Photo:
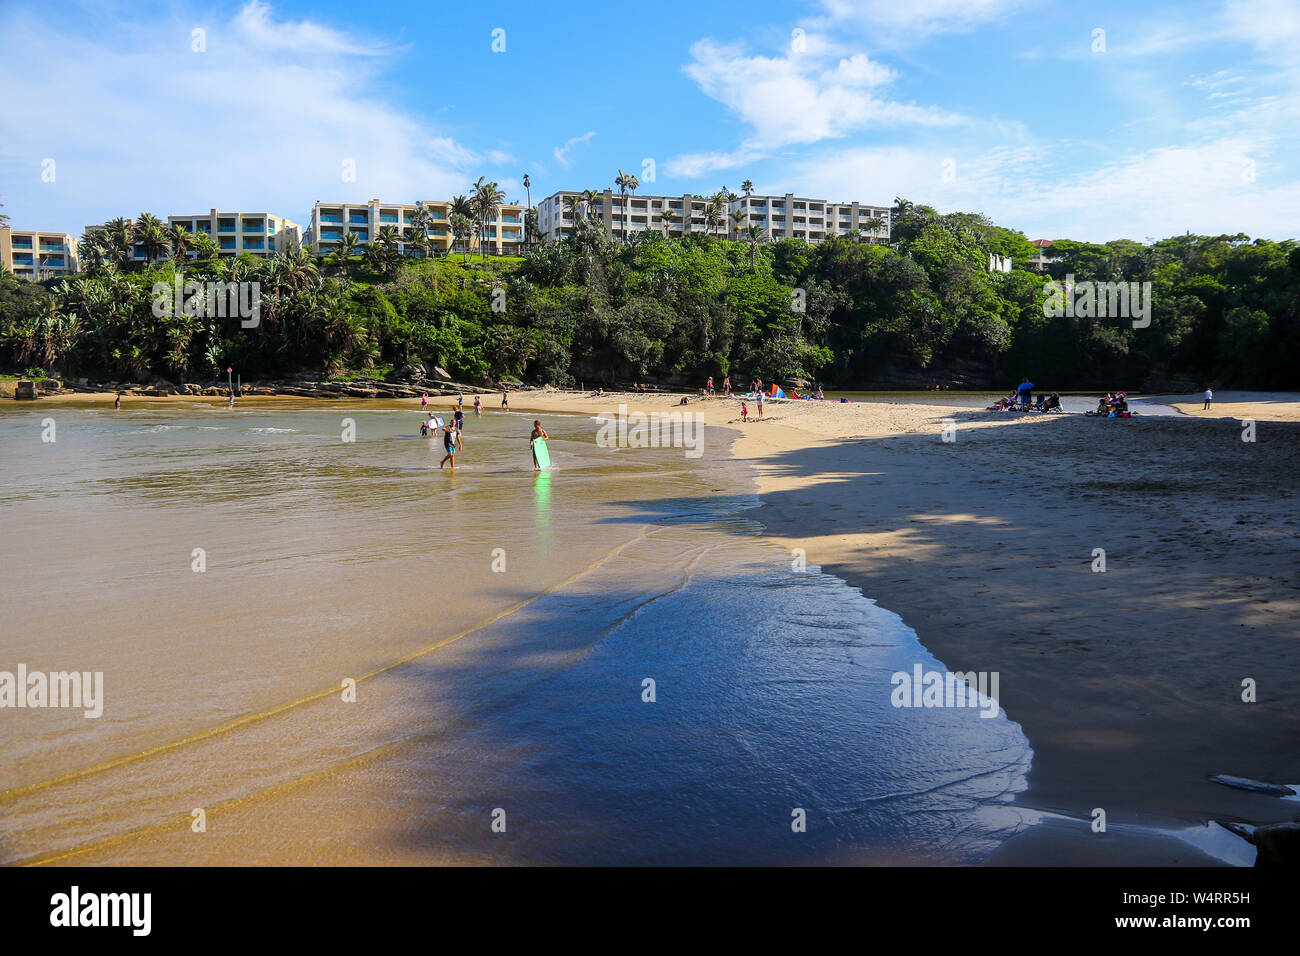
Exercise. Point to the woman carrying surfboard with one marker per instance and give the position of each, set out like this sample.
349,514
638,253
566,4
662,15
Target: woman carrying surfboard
541,455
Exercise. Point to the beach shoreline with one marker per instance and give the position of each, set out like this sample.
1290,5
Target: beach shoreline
1127,682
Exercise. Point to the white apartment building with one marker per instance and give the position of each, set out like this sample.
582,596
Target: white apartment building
555,218
788,216
812,220
255,233
34,255
329,221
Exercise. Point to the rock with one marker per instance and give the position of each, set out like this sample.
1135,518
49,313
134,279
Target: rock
49,385
25,391
1277,844
441,374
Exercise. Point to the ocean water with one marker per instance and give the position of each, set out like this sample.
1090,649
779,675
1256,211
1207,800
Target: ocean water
327,651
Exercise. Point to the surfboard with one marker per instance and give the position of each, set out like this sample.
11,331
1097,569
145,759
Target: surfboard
541,452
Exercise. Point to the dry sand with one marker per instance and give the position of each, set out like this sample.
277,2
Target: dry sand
1128,683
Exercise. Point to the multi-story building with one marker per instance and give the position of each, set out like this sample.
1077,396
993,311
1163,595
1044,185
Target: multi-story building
35,255
812,220
329,221
555,216
1041,258
788,216
256,233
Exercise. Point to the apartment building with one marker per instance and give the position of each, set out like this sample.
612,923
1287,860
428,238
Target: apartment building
812,220
329,221
788,216
255,233
35,255
1041,259
555,217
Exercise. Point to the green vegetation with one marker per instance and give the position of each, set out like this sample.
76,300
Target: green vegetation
590,308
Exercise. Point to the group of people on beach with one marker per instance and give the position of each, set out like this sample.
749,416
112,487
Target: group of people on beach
1022,400
1113,406
453,441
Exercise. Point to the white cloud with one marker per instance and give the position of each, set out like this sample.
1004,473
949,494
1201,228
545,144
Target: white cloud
562,152
893,22
1223,186
265,119
801,97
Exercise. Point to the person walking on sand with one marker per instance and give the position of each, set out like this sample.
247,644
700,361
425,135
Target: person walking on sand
505,401
451,443
538,432
478,407
1209,397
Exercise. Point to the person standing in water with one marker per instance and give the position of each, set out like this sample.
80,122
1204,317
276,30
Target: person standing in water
459,419
538,432
117,402
451,443
505,400
424,399
478,407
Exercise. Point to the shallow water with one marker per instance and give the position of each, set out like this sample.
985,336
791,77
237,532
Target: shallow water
515,695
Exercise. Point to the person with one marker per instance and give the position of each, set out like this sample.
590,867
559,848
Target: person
505,400
1025,392
538,432
1209,397
478,407
459,419
820,396
117,402
451,444
1053,403
460,400
232,399
708,386
744,412
760,403
726,386
424,400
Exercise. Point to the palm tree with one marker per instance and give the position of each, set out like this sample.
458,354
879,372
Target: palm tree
739,220
589,197
571,206
152,234
92,250
668,216
4,216
714,217
462,228
120,240
625,182
486,202
204,246
180,240
528,190
754,235
747,186
530,225
343,252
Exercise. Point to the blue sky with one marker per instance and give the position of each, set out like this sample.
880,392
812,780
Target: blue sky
1177,116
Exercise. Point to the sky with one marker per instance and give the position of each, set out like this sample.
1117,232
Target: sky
1062,119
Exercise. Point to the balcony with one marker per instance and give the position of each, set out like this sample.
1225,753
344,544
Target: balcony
228,244
22,244
390,219
254,227
332,219
23,260
254,244
225,228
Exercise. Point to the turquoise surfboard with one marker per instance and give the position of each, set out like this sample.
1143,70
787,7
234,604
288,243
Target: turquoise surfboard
541,452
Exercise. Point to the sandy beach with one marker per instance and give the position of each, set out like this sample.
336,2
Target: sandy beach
1128,682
